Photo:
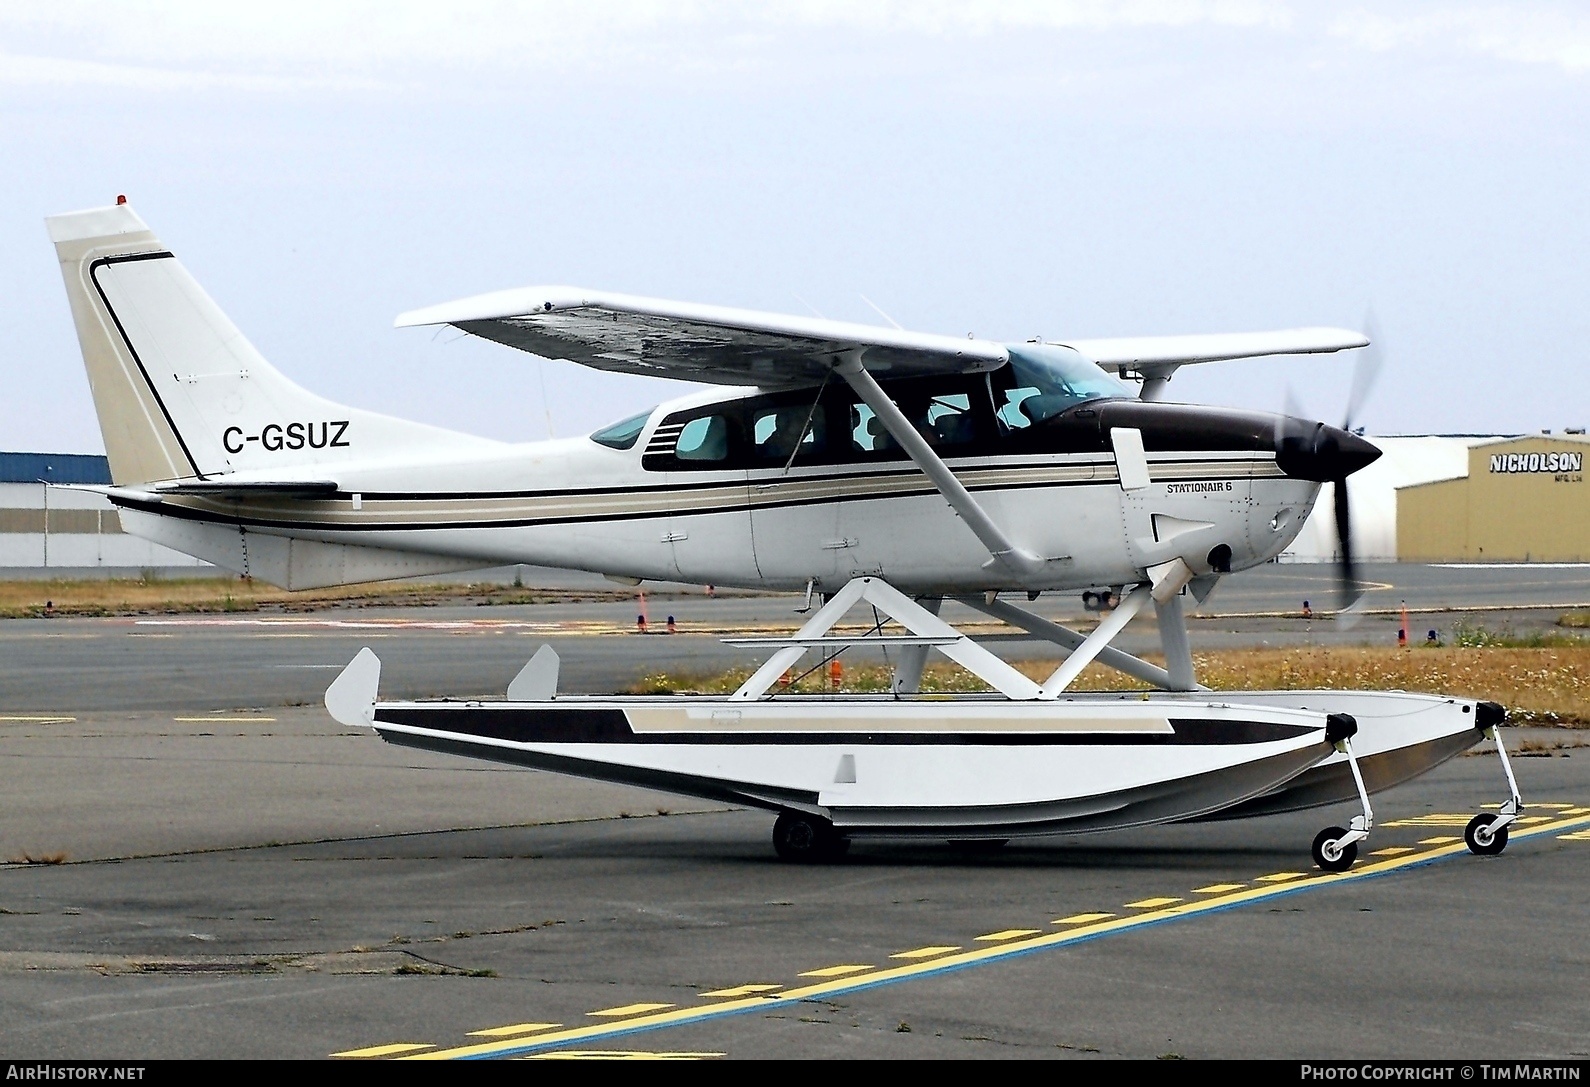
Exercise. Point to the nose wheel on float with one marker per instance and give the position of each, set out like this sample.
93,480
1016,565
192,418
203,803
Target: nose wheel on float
1335,848
1486,834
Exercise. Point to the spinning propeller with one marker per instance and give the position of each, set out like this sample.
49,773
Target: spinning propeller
1329,455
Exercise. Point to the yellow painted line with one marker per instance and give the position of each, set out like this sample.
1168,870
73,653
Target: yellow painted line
619,1055
389,1050
1439,841
1218,888
744,990
1006,934
1151,903
1392,851
509,1031
217,720
39,720
1537,804
630,1009
1577,811
926,952
1447,820
1576,836
972,957
836,971
1534,819
1082,918
1280,877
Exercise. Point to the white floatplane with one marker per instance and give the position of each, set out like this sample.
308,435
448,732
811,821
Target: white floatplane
860,464
1027,760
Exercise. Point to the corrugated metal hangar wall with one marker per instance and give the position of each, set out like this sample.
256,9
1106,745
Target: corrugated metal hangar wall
1523,500
56,531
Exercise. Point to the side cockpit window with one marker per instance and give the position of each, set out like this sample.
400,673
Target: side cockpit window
1044,380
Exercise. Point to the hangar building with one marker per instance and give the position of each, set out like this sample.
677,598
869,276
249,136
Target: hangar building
53,531
1520,500
1462,498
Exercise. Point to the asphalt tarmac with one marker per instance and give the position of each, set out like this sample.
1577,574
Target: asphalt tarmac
203,869
246,660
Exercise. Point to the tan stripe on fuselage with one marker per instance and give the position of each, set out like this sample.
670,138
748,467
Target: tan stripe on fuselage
718,495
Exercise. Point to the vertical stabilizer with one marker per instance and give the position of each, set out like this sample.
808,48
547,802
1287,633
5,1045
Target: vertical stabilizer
179,391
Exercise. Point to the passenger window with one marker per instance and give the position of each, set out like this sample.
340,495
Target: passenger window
706,439
778,433
867,433
949,421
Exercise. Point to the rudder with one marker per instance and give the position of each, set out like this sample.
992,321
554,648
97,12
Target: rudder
179,391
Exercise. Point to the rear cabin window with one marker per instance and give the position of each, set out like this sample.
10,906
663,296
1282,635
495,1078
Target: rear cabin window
704,439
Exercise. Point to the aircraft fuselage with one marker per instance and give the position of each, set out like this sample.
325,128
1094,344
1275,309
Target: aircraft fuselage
714,489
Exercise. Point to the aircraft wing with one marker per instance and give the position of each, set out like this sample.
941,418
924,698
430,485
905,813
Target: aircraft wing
1155,355
693,342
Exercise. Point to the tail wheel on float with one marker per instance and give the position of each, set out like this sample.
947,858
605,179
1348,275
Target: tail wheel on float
1331,857
807,839
1483,841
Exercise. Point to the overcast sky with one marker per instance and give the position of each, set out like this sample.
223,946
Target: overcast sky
1019,169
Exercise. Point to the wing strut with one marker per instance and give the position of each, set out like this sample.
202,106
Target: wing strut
1019,561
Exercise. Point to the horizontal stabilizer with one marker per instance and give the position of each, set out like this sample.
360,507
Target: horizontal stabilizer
221,488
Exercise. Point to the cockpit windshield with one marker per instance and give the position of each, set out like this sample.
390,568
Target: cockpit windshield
1045,379
624,433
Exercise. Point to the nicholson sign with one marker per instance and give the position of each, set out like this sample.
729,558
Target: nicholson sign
1548,463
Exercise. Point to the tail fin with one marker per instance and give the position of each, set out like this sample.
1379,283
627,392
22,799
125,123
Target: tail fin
179,392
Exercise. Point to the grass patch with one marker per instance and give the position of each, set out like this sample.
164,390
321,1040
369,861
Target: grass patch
1478,637
1543,685
1577,620
155,596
